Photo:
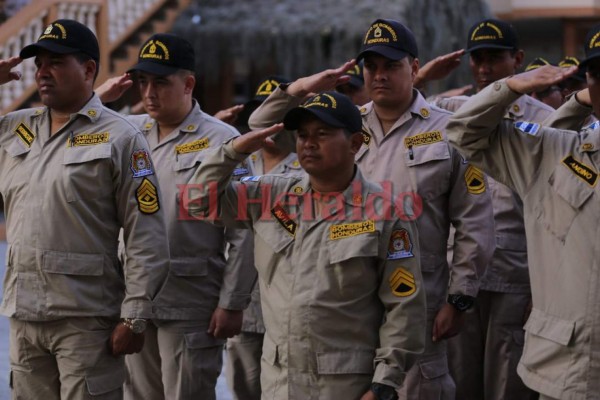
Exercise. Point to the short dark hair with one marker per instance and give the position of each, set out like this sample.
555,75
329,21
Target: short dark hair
82,58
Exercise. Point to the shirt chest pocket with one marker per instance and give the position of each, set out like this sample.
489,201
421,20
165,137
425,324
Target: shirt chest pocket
88,172
432,168
563,198
272,244
188,162
352,265
15,173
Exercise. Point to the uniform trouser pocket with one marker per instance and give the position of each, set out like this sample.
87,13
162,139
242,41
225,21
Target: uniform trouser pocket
429,379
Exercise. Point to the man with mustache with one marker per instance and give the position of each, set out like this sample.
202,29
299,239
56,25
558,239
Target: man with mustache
338,293
73,174
405,144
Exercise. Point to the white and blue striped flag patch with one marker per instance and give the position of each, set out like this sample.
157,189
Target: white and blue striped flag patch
529,128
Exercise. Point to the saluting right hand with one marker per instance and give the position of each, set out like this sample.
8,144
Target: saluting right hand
6,75
114,88
539,79
252,141
322,81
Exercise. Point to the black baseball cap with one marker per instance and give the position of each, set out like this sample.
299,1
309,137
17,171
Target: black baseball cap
570,61
332,108
65,36
592,46
492,34
537,63
164,54
356,75
390,39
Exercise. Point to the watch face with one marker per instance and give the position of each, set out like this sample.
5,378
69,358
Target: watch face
138,325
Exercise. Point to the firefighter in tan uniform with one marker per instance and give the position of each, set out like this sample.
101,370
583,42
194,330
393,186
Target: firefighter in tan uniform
74,173
340,283
555,172
405,148
202,300
244,351
483,357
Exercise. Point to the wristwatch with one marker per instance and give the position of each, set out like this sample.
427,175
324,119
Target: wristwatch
461,302
384,392
137,325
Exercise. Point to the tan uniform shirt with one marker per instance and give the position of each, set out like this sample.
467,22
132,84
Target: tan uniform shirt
415,158
340,296
200,278
66,198
555,173
253,319
507,271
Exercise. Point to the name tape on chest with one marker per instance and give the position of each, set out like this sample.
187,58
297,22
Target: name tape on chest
147,197
88,139
342,231
475,180
284,220
402,282
423,139
400,245
192,147
25,134
582,171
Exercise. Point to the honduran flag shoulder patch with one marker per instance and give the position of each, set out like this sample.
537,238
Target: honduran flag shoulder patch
529,128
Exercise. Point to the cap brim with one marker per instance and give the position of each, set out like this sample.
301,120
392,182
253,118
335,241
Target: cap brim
153,68
488,46
583,65
356,81
295,116
386,51
33,49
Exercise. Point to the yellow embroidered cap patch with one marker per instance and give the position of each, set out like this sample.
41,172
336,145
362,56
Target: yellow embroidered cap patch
402,282
147,197
474,180
342,231
25,134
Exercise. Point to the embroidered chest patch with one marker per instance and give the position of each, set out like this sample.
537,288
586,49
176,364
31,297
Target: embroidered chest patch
89,139
423,139
284,219
342,231
25,134
192,147
585,173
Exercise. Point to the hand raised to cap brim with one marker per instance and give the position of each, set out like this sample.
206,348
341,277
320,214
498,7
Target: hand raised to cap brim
6,73
113,88
252,141
322,81
438,68
539,79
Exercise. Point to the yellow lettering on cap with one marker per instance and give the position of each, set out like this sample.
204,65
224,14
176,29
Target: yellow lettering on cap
316,102
376,30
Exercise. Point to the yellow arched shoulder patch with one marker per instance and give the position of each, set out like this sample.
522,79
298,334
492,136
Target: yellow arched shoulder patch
402,282
474,180
147,197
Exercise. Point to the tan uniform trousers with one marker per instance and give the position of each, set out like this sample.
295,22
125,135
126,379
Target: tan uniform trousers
243,365
179,362
484,356
64,359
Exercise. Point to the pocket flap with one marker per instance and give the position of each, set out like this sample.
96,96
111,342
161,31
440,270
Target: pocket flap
434,368
81,154
187,161
106,382
189,266
201,340
56,262
426,153
363,245
570,187
346,362
550,327
15,148
270,351
511,242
